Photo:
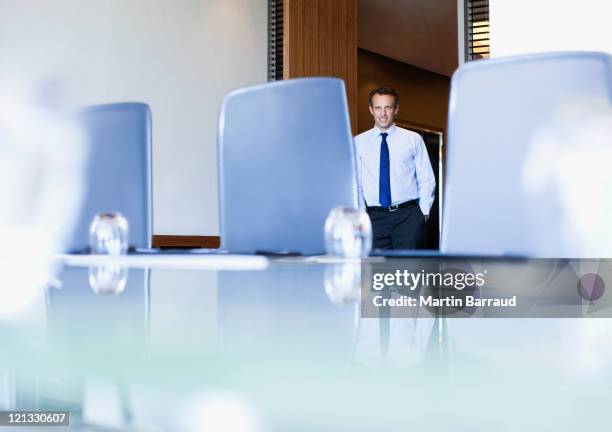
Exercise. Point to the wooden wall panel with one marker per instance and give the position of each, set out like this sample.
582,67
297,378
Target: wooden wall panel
320,39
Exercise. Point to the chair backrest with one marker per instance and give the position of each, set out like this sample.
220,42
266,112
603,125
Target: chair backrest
286,158
498,108
118,174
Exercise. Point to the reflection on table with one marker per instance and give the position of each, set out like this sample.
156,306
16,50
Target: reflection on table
286,346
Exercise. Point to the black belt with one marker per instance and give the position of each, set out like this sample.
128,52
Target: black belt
393,207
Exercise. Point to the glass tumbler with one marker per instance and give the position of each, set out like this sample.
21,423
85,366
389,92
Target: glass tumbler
108,234
348,233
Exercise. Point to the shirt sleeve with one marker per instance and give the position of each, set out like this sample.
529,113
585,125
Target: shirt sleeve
426,182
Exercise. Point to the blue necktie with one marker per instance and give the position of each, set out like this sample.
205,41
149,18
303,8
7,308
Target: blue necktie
384,180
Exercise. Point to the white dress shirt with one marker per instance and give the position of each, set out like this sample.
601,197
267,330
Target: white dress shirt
411,173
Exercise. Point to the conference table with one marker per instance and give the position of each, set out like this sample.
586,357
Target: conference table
253,343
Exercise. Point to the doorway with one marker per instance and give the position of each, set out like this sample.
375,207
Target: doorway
434,142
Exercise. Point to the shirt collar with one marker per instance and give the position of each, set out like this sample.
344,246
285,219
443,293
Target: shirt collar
389,131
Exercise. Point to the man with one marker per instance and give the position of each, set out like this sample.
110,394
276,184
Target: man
396,181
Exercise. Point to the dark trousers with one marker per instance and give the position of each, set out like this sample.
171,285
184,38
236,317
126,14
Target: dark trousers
400,229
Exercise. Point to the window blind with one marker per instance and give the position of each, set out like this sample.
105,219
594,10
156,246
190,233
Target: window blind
477,29
275,40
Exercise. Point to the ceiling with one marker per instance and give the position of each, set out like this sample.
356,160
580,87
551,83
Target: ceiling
422,33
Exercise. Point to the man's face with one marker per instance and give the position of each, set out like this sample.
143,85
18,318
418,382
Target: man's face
383,110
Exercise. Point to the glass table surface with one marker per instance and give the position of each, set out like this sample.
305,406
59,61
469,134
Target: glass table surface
283,346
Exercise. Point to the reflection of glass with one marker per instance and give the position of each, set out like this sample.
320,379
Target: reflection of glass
108,278
108,234
348,233
343,282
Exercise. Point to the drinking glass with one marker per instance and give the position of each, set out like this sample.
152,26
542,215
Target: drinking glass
108,234
348,233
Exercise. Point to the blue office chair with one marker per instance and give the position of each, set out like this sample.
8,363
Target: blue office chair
286,158
497,109
118,174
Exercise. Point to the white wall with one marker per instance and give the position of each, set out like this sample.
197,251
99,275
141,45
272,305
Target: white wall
179,56
527,26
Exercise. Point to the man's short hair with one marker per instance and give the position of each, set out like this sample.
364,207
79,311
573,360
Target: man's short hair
384,91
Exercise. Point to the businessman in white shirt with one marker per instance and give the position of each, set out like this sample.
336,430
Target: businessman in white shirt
396,181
